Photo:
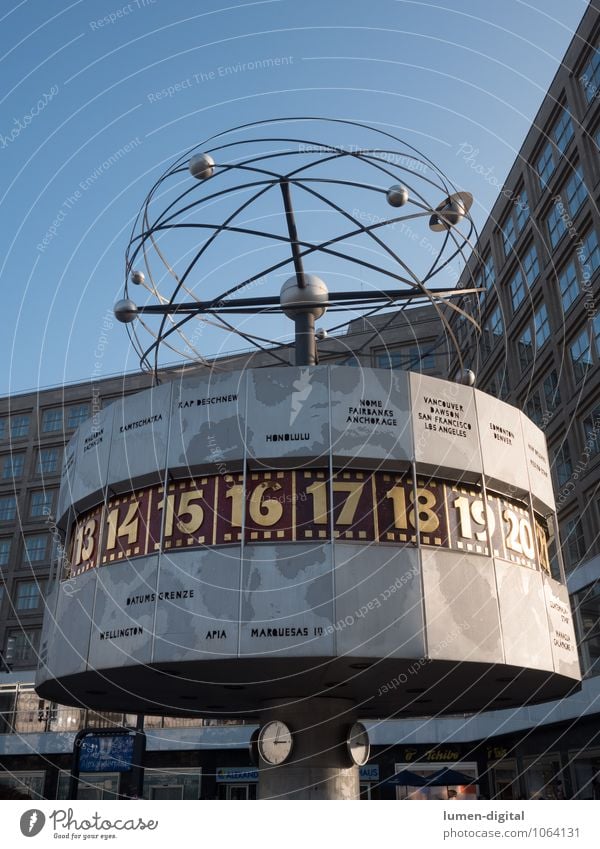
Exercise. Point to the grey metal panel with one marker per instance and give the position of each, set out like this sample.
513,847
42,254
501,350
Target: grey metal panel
378,602
445,432
68,479
504,462
93,450
47,647
562,633
288,417
73,624
370,415
122,631
138,451
538,467
208,424
523,616
461,607
287,587
203,623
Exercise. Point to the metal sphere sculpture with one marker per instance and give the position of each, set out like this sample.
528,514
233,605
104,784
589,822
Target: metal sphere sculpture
235,222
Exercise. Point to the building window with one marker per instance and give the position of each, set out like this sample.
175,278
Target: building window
411,359
489,274
517,290
589,255
8,508
569,286
77,414
530,265
581,356
19,426
41,503
591,430
596,332
555,224
573,543
2,428
563,130
508,234
551,391
542,326
12,466
521,210
47,463
35,547
563,466
22,646
499,385
587,608
545,166
52,420
525,346
575,191
533,408
590,78
4,551
29,595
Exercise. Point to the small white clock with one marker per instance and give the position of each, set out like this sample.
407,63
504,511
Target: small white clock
358,745
275,742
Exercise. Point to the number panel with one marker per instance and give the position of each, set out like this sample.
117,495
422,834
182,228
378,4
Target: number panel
230,509
270,506
188,513
469,524
85,542
353,506
126,526
396,516
296,505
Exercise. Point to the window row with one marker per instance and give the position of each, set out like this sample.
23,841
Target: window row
27,596
41,503
410,358
48,462
37,548
54,419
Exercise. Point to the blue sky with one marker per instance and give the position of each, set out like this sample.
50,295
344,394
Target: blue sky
83,80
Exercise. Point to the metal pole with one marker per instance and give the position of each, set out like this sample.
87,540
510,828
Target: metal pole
305,343
139,750
291,225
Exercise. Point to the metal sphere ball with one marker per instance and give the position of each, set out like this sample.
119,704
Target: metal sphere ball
467,377
321,334
397,195
137,277
295,300
202,166
125,311
454,213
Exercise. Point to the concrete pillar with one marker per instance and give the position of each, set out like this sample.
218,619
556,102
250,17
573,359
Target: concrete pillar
319,765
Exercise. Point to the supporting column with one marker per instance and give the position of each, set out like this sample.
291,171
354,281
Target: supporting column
319,765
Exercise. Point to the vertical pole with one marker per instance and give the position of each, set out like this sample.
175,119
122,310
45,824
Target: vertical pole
139,750
305,342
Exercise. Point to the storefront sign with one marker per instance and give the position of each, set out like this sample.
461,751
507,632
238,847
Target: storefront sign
106,752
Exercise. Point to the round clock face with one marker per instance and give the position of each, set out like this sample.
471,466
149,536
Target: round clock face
358,744
275,742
